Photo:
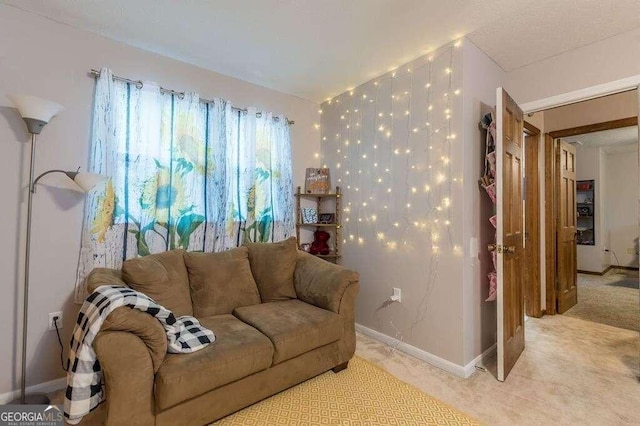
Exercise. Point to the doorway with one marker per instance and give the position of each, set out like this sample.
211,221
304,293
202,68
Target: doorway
606,212
589,142
532,252
559,223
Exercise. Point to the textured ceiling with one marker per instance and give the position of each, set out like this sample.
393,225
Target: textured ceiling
546,28
317,49
611,141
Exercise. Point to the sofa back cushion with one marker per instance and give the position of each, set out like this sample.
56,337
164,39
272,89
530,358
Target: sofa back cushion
220,282
163,277
272,265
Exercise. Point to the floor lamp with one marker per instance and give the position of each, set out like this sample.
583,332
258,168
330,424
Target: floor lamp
36,113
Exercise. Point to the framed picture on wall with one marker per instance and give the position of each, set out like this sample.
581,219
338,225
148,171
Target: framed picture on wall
317,181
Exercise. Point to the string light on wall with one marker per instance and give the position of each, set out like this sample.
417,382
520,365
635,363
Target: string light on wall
399,173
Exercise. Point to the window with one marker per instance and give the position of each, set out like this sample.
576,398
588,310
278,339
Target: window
182,174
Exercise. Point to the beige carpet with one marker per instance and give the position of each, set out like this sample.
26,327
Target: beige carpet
363,394
611,299
572,372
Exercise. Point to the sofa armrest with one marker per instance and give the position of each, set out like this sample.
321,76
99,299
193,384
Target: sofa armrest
103,276
125,319
322,283
128,377
142,325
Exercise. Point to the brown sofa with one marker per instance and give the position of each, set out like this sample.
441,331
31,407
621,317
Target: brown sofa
280,316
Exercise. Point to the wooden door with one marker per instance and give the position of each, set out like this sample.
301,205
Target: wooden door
550,223
532,305
510,299
566,284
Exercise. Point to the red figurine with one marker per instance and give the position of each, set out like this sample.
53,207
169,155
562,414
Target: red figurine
319,245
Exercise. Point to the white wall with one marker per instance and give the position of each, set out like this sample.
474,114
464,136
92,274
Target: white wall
620,180
589,167
481,77
366,149
51,60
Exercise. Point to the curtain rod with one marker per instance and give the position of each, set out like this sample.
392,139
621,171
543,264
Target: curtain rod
139,84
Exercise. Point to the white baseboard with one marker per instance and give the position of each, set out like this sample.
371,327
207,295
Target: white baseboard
428,357
423,355
45,387
470,368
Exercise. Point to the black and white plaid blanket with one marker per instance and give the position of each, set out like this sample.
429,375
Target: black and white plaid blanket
84,378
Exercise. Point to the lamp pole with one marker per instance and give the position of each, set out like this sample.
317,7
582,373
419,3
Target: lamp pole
27,252
33,398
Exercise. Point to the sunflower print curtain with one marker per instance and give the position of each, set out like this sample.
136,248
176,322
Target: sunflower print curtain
181,174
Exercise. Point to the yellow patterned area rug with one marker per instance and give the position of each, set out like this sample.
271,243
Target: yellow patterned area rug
363,394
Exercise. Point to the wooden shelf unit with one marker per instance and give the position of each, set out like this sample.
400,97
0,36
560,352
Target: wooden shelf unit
585,214
322,201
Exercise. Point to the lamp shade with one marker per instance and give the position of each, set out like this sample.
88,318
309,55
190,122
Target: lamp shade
35,107
87,181
35,111
73,181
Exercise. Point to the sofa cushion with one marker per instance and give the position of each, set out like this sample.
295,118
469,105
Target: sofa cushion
294,327
220,282
272,265
163,277
238,351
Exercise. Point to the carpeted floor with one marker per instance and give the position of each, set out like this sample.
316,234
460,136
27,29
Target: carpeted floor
572,372
612,299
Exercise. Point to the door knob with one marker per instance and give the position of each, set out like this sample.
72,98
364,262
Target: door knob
492,247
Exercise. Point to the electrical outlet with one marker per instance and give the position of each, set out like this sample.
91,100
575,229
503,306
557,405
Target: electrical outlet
397,295
631,251
53,315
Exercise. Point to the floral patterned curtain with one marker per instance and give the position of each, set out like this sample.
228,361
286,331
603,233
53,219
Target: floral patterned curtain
260,200
182,174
